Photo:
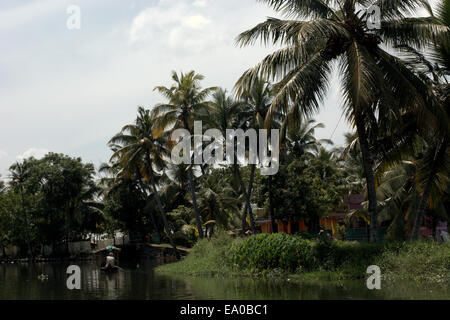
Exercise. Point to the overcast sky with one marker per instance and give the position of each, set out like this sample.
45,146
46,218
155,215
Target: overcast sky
69,91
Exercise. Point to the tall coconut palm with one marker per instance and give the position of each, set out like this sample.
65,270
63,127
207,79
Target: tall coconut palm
217,203
401,192
298,139
376,84
431,163
436,166
352,165
186,99
257,99
227,113
114,179
144,153
442,43
224,113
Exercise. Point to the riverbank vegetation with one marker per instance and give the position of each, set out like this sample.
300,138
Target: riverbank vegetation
295,258
395,93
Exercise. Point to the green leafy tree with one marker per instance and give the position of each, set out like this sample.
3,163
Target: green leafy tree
57,199
19,174
306,189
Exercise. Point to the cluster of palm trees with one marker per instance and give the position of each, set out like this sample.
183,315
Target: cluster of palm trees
389,98
142,149
394,89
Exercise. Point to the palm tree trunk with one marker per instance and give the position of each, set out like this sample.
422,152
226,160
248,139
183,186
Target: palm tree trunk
192,187
249,196
427,191
247,202
271,208
163,214
370,176
161,209
194,202
421,210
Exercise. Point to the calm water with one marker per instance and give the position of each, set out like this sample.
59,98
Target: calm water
140,282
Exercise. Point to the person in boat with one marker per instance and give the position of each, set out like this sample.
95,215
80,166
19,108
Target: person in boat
110,261
112,249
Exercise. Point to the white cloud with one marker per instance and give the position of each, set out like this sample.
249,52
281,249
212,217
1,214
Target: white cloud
176,24
63,81
3,154
27,13
37,153
196,22
199,3
152,21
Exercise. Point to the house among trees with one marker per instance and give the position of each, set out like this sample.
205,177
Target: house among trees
332,221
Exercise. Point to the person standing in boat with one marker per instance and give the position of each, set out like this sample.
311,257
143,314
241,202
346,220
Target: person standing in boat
112,249
110,261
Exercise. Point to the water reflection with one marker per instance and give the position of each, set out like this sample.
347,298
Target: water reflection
20,281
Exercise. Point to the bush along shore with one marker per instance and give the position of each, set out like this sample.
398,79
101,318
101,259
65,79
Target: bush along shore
286,256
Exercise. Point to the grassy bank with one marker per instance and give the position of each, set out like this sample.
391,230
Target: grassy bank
281,255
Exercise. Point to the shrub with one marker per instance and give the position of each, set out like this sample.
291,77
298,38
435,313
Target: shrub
271,251
206,258
279,254
290,253
420,261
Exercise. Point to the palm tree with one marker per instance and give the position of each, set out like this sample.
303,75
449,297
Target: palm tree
114,178
328,162
431,163
227,113
217,202
442,43
257,99
186,99
145,154
376,85
402,186
352,165
437,166
223,113
298,138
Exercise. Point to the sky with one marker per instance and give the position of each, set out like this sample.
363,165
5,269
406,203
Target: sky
70,90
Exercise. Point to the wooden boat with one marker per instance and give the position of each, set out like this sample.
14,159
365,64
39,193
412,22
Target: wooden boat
101,259
110,269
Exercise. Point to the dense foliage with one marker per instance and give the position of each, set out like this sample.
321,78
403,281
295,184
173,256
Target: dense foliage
49,201
395,93
298,258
